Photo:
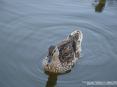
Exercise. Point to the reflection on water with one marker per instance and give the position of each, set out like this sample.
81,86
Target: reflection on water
52,80
100,5
29,27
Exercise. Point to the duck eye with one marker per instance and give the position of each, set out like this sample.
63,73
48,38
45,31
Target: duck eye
53,51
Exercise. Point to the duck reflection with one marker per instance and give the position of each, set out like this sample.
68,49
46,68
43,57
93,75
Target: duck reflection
99,6
52,80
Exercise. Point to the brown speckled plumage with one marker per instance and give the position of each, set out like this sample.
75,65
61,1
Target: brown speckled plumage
64,55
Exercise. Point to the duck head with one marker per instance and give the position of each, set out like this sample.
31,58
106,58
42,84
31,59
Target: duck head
53,53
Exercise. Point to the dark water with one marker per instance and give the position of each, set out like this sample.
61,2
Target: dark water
29,27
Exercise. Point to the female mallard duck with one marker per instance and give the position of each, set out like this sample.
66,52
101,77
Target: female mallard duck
62,57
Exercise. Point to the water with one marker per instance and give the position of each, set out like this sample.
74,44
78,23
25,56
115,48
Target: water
29,27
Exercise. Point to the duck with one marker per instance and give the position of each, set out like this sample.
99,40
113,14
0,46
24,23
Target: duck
62,57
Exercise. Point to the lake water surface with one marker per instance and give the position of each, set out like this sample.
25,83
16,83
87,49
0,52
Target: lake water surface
29,27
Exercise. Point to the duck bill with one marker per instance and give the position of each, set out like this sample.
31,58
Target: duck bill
49,59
